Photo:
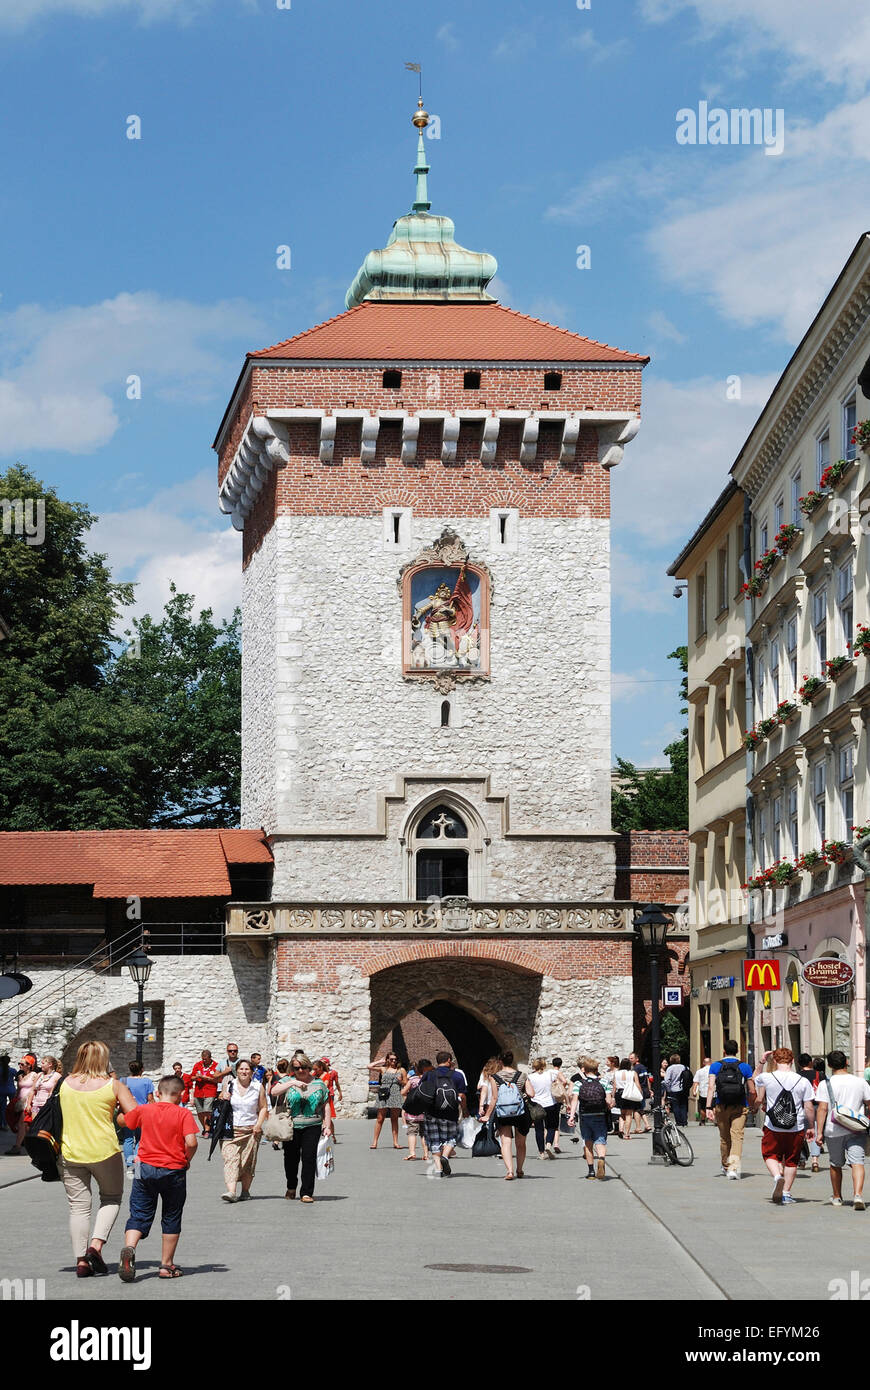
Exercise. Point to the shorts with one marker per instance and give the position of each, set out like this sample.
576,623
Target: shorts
204,1104
784,1144
169,1185
412,1126
519,1124
846,1147
438,1132
593,1128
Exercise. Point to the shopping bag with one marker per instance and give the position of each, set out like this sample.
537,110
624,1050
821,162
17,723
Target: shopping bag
325,1157
486,1145
467,1133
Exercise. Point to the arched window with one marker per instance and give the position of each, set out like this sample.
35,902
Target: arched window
445,853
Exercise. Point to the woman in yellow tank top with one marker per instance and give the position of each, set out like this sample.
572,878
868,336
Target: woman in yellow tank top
90,1149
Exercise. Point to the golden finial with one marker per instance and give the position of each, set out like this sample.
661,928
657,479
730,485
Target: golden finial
420,117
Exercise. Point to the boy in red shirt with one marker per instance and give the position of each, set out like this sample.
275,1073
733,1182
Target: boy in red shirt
167,1145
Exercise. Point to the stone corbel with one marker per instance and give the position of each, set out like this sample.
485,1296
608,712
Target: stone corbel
529,446
369,439
489,443
327,438
275,437
570,435
410,435
449,436
612,440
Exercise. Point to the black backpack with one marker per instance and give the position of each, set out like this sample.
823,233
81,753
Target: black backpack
592,1097
438,1094
686,1082
783,1113
730,1083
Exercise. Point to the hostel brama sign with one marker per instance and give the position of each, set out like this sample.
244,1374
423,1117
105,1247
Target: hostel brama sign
828,973
761,974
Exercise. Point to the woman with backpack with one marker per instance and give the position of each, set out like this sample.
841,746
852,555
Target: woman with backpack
628,1096
590,1098
509,1091
544,1108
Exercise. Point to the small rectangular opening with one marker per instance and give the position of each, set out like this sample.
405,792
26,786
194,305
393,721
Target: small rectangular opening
552,381
502,528
392,380
397,517
471,381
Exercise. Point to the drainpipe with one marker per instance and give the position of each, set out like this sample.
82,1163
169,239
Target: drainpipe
746,566
861,856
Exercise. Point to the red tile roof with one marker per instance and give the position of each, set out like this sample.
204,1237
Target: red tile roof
125,863
442,332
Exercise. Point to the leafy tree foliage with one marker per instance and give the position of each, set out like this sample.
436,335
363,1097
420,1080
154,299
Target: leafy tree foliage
656,800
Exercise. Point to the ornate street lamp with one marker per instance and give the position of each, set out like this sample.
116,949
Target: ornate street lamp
139,966
651,924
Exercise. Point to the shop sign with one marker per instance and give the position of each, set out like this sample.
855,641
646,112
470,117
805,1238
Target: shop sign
761,974
776,942
828,972
721,982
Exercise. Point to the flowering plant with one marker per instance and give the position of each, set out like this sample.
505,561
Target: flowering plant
859,831
836,851
835,472
756,586
786,536
812,500
786,711
837,664
810,687
775,876
861,435
861,643
810,859
767,726
751,739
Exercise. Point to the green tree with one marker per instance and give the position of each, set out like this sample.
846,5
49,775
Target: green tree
90,739
656,800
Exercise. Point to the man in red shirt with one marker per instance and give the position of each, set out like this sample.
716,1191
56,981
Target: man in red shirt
204,1078
167,1145
179,1071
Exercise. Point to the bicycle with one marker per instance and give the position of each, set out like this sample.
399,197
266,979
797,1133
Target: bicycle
675,1143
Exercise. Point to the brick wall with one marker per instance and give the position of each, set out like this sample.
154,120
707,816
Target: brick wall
652,865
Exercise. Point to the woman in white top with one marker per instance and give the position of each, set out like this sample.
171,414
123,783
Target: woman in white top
250,1109
544,1106
625,1079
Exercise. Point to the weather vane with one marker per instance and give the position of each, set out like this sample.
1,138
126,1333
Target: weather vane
415,67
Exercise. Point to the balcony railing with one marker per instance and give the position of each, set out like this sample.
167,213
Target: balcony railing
450,915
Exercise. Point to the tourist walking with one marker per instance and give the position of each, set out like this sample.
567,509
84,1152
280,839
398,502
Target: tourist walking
590,1099
231,1061
142,1089
644,1081
700,1086
543,1107
444,1103
90,1150
8,1087
810,1067
414,1121
307,1099
28,1079
790,1113
178,1070
250,1110
391,1079
330,1076
843,1101
166,1146
47,1079
608,1073
204,1077
730,1091
562,1090
678,1084
627,1095
509,1093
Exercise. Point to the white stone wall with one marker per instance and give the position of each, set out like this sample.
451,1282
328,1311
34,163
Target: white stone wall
334,1025
346,724
594,1017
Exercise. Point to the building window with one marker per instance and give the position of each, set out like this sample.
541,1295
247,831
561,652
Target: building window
700,738
844,600
850,418
445,714
796,513
777,827
552,381
791,647
793,826
760,674
820,626
701,599
762,538
847,791
774,672
392,380
761,838
778,514
722,579
819,798
471,381
823,454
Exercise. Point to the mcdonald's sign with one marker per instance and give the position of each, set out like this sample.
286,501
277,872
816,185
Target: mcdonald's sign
761,974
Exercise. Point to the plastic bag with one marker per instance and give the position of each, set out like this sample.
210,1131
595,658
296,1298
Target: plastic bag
325,1157
468,1132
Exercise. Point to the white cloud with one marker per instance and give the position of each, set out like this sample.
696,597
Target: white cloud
596,51
639,581
628,685
830,38
659,323
446,36
18,14
678,464
617,186
178,535
63,373
516,43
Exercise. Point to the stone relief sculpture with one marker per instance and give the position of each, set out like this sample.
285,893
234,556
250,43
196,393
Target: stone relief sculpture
445,623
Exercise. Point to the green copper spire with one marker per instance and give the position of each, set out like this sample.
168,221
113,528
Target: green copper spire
422,260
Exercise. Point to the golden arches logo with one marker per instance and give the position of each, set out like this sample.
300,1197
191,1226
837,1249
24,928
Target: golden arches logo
761,974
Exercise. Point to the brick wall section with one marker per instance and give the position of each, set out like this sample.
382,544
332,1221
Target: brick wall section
639,853
588,958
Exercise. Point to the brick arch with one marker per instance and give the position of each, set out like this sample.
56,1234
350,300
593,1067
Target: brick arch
506,953
418,1000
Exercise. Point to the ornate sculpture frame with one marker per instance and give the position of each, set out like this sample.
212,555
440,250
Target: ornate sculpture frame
448,550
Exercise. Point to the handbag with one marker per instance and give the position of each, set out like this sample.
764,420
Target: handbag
536,1111
557,1091
278,1128
384,1092
631,1091
849,1119
486,1145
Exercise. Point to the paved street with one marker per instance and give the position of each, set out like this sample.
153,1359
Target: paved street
379,1224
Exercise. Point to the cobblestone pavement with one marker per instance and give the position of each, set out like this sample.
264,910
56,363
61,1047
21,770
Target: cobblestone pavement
380,1224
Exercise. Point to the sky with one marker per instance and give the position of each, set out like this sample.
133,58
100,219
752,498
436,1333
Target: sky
268,123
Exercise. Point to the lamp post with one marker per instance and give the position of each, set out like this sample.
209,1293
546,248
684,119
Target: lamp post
139,966
651,924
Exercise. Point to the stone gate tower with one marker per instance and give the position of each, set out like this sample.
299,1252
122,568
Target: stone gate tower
422,484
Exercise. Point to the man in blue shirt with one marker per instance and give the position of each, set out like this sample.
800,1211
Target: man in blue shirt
729,1090
143,1091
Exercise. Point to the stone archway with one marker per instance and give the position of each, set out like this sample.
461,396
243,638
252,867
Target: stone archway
110,1028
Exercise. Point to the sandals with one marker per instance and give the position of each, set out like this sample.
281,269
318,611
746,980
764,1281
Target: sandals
127,1267
508,1177
169,1272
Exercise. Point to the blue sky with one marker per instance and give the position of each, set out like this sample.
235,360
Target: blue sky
263,126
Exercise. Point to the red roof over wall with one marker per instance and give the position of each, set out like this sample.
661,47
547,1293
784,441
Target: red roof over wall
126,863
